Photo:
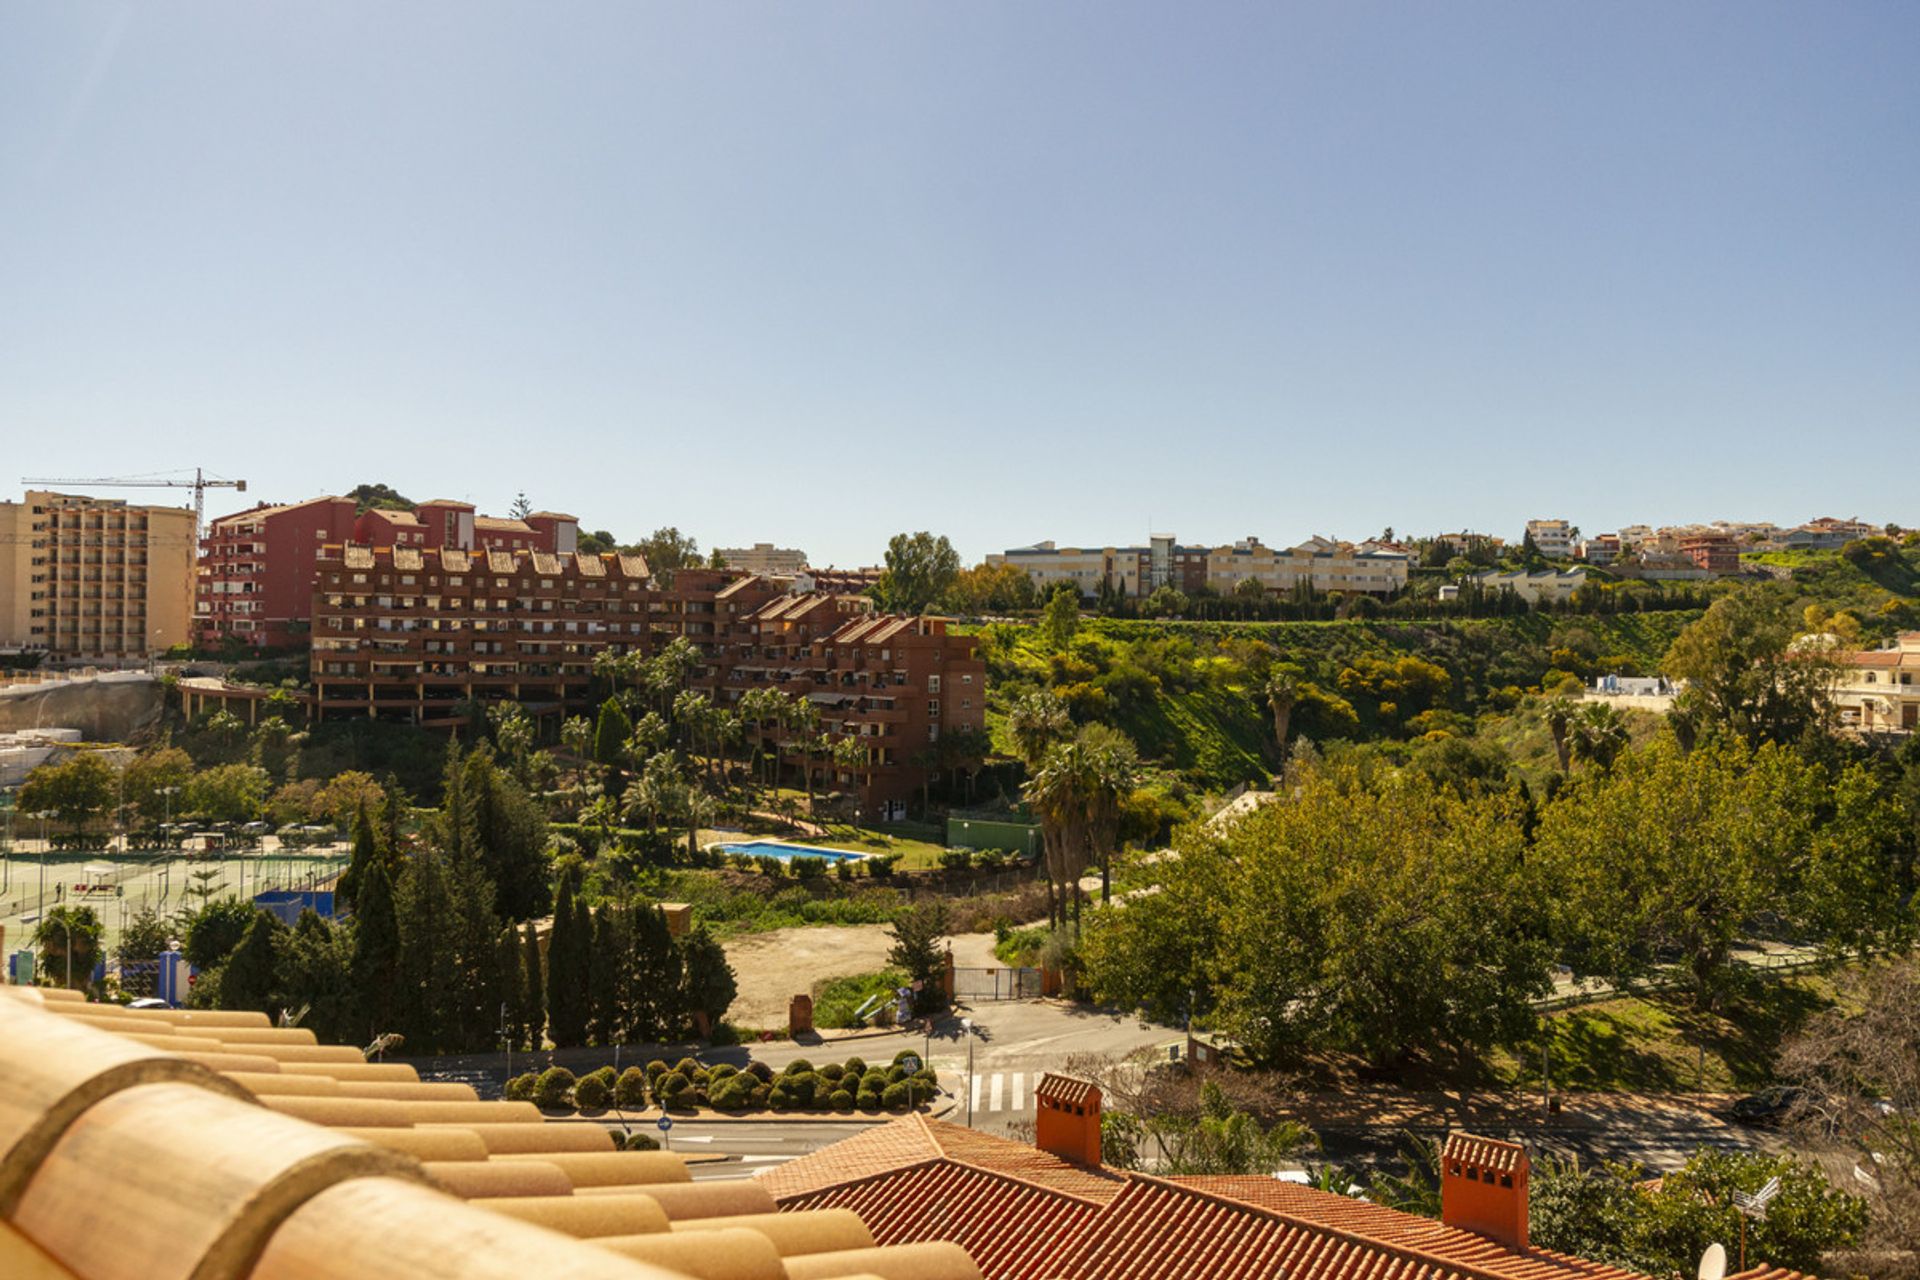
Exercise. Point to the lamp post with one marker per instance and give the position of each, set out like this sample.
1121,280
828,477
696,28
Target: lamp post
966,1025
166,833
45,816
506,1038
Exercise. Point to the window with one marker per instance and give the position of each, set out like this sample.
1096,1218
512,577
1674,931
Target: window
933,684
933,708
966,677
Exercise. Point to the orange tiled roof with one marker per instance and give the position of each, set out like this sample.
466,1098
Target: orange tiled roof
915,1140
1065,1090
1484,1153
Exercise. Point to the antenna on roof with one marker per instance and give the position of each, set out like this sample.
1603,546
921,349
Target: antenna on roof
1713,1263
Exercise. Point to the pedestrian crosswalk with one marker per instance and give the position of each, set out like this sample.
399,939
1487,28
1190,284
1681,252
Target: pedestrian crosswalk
995,1091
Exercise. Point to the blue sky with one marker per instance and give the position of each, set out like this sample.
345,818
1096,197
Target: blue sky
815,273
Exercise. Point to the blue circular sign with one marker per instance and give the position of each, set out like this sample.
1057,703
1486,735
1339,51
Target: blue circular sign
664,1123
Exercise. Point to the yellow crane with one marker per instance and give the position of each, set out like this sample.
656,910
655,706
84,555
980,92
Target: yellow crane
199,484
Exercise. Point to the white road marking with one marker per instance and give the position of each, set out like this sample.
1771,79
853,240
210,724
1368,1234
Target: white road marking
994,1092
973,1093
1019,1091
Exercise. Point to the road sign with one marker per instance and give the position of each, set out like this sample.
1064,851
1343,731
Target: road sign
664,1123
911,1063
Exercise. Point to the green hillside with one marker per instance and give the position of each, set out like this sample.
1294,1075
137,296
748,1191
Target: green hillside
1190,693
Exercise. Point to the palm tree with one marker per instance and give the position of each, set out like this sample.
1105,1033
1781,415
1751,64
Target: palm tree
698,809
576,735
1111,772
850,754
1557,720
1283,690
1035,722
1598,734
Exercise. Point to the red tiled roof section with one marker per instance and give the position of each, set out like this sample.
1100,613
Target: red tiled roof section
1484,1153
1467,1249
1065,1090
1014,1229
1769,1273
897,1145
1018,1160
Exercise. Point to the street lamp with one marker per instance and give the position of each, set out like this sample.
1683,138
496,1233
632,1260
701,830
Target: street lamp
966,1025
45,816
166,833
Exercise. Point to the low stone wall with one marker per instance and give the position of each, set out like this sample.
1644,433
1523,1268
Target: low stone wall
111,708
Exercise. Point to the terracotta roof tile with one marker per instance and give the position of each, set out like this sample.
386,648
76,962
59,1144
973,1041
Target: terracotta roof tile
1484,1153
1065,1090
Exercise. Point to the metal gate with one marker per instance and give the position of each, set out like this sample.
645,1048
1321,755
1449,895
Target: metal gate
971,985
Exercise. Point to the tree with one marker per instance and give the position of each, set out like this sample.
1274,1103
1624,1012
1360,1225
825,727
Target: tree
1612,1215
568,1007
68,938
214,929
576,735
920,569
521,508
1282,690
228,792
667,551
510,834
366,852
1035,722
73,792
916,951
1745,675
429,977
375,964
1597,735
513,987
147,777
709,985
610,734
1378,916
1206,1134
248,979
313,970
654,975
142,941
531,1013
1076,793
1559,722
1060,618
1860,1064
607,977
1669,857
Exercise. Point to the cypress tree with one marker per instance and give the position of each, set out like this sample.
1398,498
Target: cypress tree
532,1013
366,850
512,982
430,975
248,979
376,952
606,977
654,975
709,986
393,813
610,734
566,972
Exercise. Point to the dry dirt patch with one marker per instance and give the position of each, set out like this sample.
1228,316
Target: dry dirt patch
773,967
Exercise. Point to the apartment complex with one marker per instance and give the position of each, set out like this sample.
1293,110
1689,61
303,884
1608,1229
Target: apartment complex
764,557
1879,689
256,577
1714,552
406,634
1322,563
1553,538
94,579
1548,585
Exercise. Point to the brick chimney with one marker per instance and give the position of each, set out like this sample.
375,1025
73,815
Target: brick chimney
1066,1120
1483,1187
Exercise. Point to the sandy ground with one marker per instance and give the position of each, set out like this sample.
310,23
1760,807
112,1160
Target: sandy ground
773,967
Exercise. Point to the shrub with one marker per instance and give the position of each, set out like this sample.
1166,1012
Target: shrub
867,1100
894,1097
900,1058
552,1088
781,1097
762,1096
841,1100
640,1142
856,1067
720,1072
797,1067
724,1033
735,1093
520,1088
832,1071
875,1080
896,1073
760,1071
844,868
630,1090
656,1068
592,1093
956,859
671,1090
808,868
687,1067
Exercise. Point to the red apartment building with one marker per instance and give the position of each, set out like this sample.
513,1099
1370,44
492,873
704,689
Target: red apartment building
256,575
1714,552
408,634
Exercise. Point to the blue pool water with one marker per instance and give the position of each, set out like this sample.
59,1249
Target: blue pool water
783,851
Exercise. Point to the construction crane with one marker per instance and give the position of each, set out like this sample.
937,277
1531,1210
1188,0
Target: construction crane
199,484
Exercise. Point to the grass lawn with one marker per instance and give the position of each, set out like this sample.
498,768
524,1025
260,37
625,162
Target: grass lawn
1656,1045
916,854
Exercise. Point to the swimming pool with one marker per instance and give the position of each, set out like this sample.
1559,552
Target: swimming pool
784,851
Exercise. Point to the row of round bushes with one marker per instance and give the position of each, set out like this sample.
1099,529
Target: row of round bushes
686,1085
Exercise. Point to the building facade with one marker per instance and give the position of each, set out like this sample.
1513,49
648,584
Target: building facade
1547,585
413,635
1135,572
255,584
94,579
1879,689
1714,552
1553,538
764,557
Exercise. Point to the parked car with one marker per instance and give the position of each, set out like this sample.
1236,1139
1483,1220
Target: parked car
1769,1106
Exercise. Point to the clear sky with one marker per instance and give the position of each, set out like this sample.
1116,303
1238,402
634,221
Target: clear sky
815,273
